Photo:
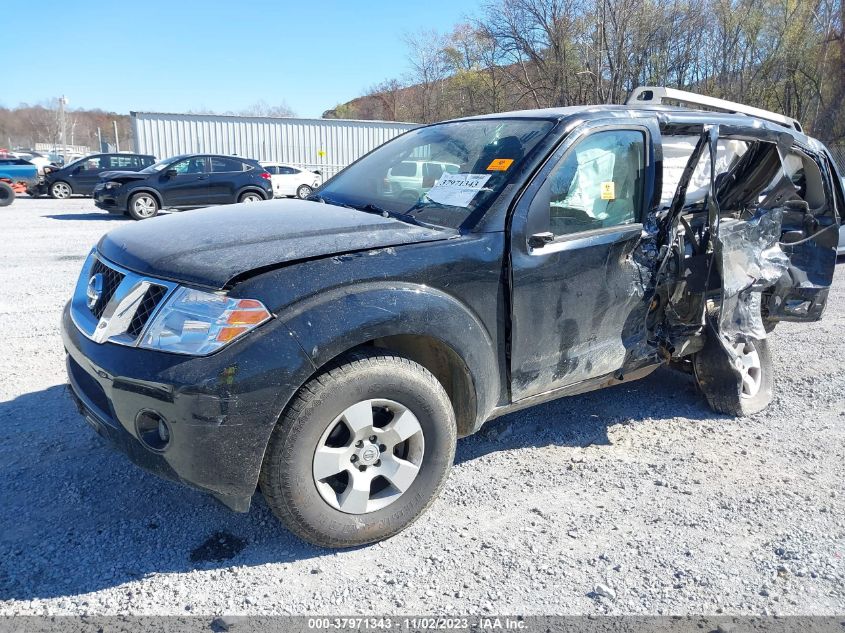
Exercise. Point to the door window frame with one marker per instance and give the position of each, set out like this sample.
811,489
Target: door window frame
535,216
207,162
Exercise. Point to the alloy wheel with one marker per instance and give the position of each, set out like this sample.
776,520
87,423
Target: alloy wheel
61,190
144,206
750,368
368,456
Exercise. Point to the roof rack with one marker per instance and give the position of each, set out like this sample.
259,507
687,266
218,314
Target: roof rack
657,95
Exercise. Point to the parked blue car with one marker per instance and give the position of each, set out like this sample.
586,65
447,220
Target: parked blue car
15,170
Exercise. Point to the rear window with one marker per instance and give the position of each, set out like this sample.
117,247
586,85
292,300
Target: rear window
404,170
125,162
227,165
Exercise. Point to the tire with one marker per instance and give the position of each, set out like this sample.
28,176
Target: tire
61,190
250,197
728,389
303,191
7,194
143,206
323,509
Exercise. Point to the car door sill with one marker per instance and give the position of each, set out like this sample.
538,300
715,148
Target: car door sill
591,384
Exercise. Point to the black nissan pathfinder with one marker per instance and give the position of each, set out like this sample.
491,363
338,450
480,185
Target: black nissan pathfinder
330,351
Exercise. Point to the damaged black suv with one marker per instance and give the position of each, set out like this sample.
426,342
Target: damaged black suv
330,351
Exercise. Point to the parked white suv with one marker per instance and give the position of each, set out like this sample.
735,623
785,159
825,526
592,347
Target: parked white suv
411,178
292,181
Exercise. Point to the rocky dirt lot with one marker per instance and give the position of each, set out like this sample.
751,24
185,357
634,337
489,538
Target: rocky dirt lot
632,500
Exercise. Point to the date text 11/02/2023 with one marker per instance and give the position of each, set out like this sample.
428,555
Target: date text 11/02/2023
490,623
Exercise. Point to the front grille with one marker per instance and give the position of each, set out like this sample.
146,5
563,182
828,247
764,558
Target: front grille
111,280
151,299
131,299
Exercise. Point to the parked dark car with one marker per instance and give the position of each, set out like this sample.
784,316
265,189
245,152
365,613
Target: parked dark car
81,176
329,351
188,181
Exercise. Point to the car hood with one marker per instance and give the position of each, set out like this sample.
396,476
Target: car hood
124,175
211,247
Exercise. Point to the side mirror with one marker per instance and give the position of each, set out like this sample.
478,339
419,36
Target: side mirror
171,173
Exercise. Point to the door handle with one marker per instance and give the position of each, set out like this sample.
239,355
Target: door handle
539,240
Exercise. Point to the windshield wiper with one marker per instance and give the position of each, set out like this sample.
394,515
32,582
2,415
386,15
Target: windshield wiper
370,208
314,197
386,213
427,203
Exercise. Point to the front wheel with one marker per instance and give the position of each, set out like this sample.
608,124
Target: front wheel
60,190
361,452
303,191
737,384
143,206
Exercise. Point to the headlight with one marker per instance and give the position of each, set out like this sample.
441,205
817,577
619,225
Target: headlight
198,323
113,185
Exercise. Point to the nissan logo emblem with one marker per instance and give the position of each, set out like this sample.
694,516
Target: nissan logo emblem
95,290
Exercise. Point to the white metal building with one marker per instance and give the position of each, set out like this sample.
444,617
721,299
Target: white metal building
325,144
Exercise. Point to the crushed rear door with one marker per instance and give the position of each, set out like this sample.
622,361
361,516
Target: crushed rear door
792,183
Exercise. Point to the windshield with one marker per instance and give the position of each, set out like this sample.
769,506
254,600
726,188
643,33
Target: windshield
77,161
442,174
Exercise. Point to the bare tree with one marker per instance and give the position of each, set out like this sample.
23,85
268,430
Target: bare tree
429,68
261,108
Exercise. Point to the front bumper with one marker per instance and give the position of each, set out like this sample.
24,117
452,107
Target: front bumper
110,200
220,408
38,188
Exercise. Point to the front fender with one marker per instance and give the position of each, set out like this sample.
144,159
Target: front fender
341,319
155,193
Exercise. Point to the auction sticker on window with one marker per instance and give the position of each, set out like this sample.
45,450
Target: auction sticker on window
457,190
608,190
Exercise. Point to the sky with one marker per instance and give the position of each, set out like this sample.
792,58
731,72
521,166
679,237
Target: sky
180,55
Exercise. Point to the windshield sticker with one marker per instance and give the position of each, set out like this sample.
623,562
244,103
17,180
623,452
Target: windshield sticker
457,190
500,164
608,190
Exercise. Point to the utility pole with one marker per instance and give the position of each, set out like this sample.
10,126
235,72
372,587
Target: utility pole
99,141
116,140
63,125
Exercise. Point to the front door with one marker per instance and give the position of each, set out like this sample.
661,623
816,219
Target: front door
288,180
577,300
188,186
87,174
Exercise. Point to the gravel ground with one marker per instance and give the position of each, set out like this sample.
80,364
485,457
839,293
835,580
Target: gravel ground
632,500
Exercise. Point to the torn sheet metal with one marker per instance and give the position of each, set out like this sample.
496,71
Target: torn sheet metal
750,259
